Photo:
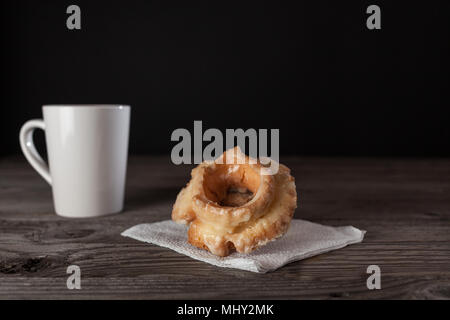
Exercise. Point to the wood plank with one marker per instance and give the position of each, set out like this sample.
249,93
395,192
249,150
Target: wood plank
404,204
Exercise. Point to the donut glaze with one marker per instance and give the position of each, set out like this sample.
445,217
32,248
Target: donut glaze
230,205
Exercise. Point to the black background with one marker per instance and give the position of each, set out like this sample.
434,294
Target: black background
283,309
310,68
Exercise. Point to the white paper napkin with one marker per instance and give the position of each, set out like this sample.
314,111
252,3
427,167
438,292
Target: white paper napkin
303,240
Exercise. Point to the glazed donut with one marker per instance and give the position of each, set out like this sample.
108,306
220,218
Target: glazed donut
229,204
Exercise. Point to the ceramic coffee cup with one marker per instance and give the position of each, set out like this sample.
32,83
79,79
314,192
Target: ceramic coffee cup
87,147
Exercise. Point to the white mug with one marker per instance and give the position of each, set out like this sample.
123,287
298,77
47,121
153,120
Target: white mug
87,147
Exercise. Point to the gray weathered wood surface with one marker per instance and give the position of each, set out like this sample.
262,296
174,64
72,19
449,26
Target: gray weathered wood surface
403,204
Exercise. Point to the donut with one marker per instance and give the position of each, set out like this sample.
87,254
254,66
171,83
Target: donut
231,204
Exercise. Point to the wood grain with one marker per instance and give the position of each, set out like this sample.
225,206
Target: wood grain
404,204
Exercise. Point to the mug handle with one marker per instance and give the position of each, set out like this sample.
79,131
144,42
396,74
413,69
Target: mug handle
29,150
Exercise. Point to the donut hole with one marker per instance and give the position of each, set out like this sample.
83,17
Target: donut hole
231,185
236,197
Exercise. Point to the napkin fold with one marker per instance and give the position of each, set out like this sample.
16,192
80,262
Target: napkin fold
304,239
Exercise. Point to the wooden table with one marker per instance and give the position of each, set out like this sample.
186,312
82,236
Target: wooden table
403,204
